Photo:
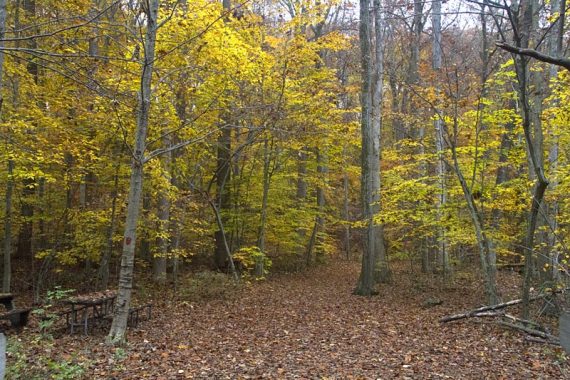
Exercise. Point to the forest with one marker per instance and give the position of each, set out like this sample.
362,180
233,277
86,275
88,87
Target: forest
284,189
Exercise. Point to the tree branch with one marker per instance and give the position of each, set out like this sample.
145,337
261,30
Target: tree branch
559,61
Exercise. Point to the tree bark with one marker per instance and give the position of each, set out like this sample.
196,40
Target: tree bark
223,199
7,257
366,283
265,195
163,242
118,327
443,252
103,273
223,177
522,72
7,261
300,198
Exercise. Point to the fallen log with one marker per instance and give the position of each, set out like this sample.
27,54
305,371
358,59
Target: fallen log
529,331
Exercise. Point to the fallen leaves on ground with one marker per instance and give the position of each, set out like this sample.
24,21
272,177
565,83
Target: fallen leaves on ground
310,326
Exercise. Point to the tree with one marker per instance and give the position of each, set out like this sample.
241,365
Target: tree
371,103
118,328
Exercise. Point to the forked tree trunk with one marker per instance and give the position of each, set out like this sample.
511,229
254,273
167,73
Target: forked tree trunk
119,326
485,246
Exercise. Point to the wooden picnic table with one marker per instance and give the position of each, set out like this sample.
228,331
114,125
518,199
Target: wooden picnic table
18,317
87,309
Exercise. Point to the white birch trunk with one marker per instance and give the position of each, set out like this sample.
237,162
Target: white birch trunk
119,326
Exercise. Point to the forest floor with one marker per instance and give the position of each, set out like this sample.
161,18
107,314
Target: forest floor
307,326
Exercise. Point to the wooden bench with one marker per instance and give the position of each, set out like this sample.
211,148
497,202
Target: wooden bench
134,314
18,317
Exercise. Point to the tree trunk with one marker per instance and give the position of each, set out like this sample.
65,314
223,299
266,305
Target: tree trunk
223,177
7,259
118,328
442,248
370,156
160,258
265,195
315,243
486,250
103,273
521,66
346,215
7,262
552,207
301,196
382,270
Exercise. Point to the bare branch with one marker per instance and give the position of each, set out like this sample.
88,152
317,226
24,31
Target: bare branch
559,61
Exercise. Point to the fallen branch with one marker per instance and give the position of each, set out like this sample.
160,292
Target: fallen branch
523,321
535,339
489,314
477,312
533,332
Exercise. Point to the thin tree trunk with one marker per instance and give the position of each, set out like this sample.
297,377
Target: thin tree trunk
322,171
228,253
486,249
7,262
319,225
119,326
25,236
7,259
265,195
346,215
160,259
300,198
443,253
103,273
223,177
